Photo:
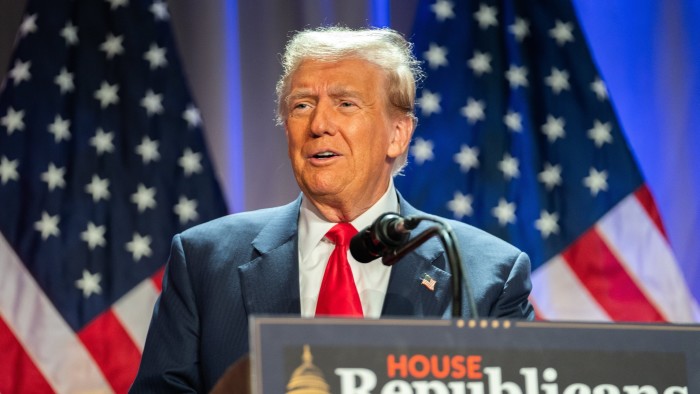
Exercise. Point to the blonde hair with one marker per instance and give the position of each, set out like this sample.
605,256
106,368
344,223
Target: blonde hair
383,47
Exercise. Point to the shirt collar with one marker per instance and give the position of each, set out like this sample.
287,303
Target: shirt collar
313,226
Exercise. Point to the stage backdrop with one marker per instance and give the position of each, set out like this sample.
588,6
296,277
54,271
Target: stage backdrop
647,53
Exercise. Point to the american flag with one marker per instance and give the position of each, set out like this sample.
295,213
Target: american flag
102,161
517,136
428,282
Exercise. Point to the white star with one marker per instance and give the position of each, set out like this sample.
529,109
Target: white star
600,133
436,56
47,226
192,116
467,158
13,120
598,87
155,57
70,34
186,210
139,246
20,72
64,80
562,32
558,80
429,102
516,76
554,128
550,176
480,63
89,283
461,205
8,170
54,177
486,16
520,29
474,110
94,235
422,150
190,162
117,3
159,10
60,129
442,10
153,103
98,188
596,181
144,197
112,45
28,25
514,121
547,223
509,166
102,141
148,149
107,94
504,212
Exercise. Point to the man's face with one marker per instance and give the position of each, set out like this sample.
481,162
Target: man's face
341,134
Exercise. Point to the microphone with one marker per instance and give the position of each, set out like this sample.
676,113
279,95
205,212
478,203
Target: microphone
385,235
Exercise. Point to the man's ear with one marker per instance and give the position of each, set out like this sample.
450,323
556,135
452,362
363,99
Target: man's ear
402,131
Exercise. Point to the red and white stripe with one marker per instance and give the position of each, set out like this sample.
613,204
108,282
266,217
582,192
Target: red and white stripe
41,353
622,269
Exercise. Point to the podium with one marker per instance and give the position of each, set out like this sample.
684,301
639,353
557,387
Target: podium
343,356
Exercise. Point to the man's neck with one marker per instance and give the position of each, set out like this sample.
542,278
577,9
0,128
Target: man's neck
336,210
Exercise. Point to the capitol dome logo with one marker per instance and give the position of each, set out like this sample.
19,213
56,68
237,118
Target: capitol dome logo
307,378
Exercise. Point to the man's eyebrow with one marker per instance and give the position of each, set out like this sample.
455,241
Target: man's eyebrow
341,91
299,93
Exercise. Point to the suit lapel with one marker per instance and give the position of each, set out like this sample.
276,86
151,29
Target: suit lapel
270,282
406,295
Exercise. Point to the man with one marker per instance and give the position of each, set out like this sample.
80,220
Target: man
346,100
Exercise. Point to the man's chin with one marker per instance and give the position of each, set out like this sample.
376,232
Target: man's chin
322,193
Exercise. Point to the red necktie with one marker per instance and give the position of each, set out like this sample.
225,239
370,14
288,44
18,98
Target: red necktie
338,295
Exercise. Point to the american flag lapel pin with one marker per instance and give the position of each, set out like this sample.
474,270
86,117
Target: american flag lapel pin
428,282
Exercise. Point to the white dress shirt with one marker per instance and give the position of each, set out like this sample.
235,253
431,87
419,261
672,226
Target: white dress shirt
371,279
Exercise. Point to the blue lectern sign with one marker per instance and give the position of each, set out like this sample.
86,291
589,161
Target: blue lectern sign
349,356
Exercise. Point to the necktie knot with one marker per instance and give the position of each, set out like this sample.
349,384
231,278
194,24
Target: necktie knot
341,234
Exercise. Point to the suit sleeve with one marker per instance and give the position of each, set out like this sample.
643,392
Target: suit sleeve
170,357
513,301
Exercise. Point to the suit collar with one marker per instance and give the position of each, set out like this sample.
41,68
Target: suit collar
280,228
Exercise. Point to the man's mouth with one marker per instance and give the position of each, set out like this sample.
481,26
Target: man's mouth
324,155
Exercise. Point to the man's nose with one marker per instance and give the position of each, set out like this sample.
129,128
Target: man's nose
322,120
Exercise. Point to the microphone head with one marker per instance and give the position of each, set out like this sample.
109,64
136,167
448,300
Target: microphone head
385,234
362,248
390,231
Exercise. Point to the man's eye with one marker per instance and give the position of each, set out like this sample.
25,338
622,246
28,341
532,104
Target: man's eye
300,106
347,104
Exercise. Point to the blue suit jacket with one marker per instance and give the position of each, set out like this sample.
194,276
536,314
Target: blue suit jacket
223,271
